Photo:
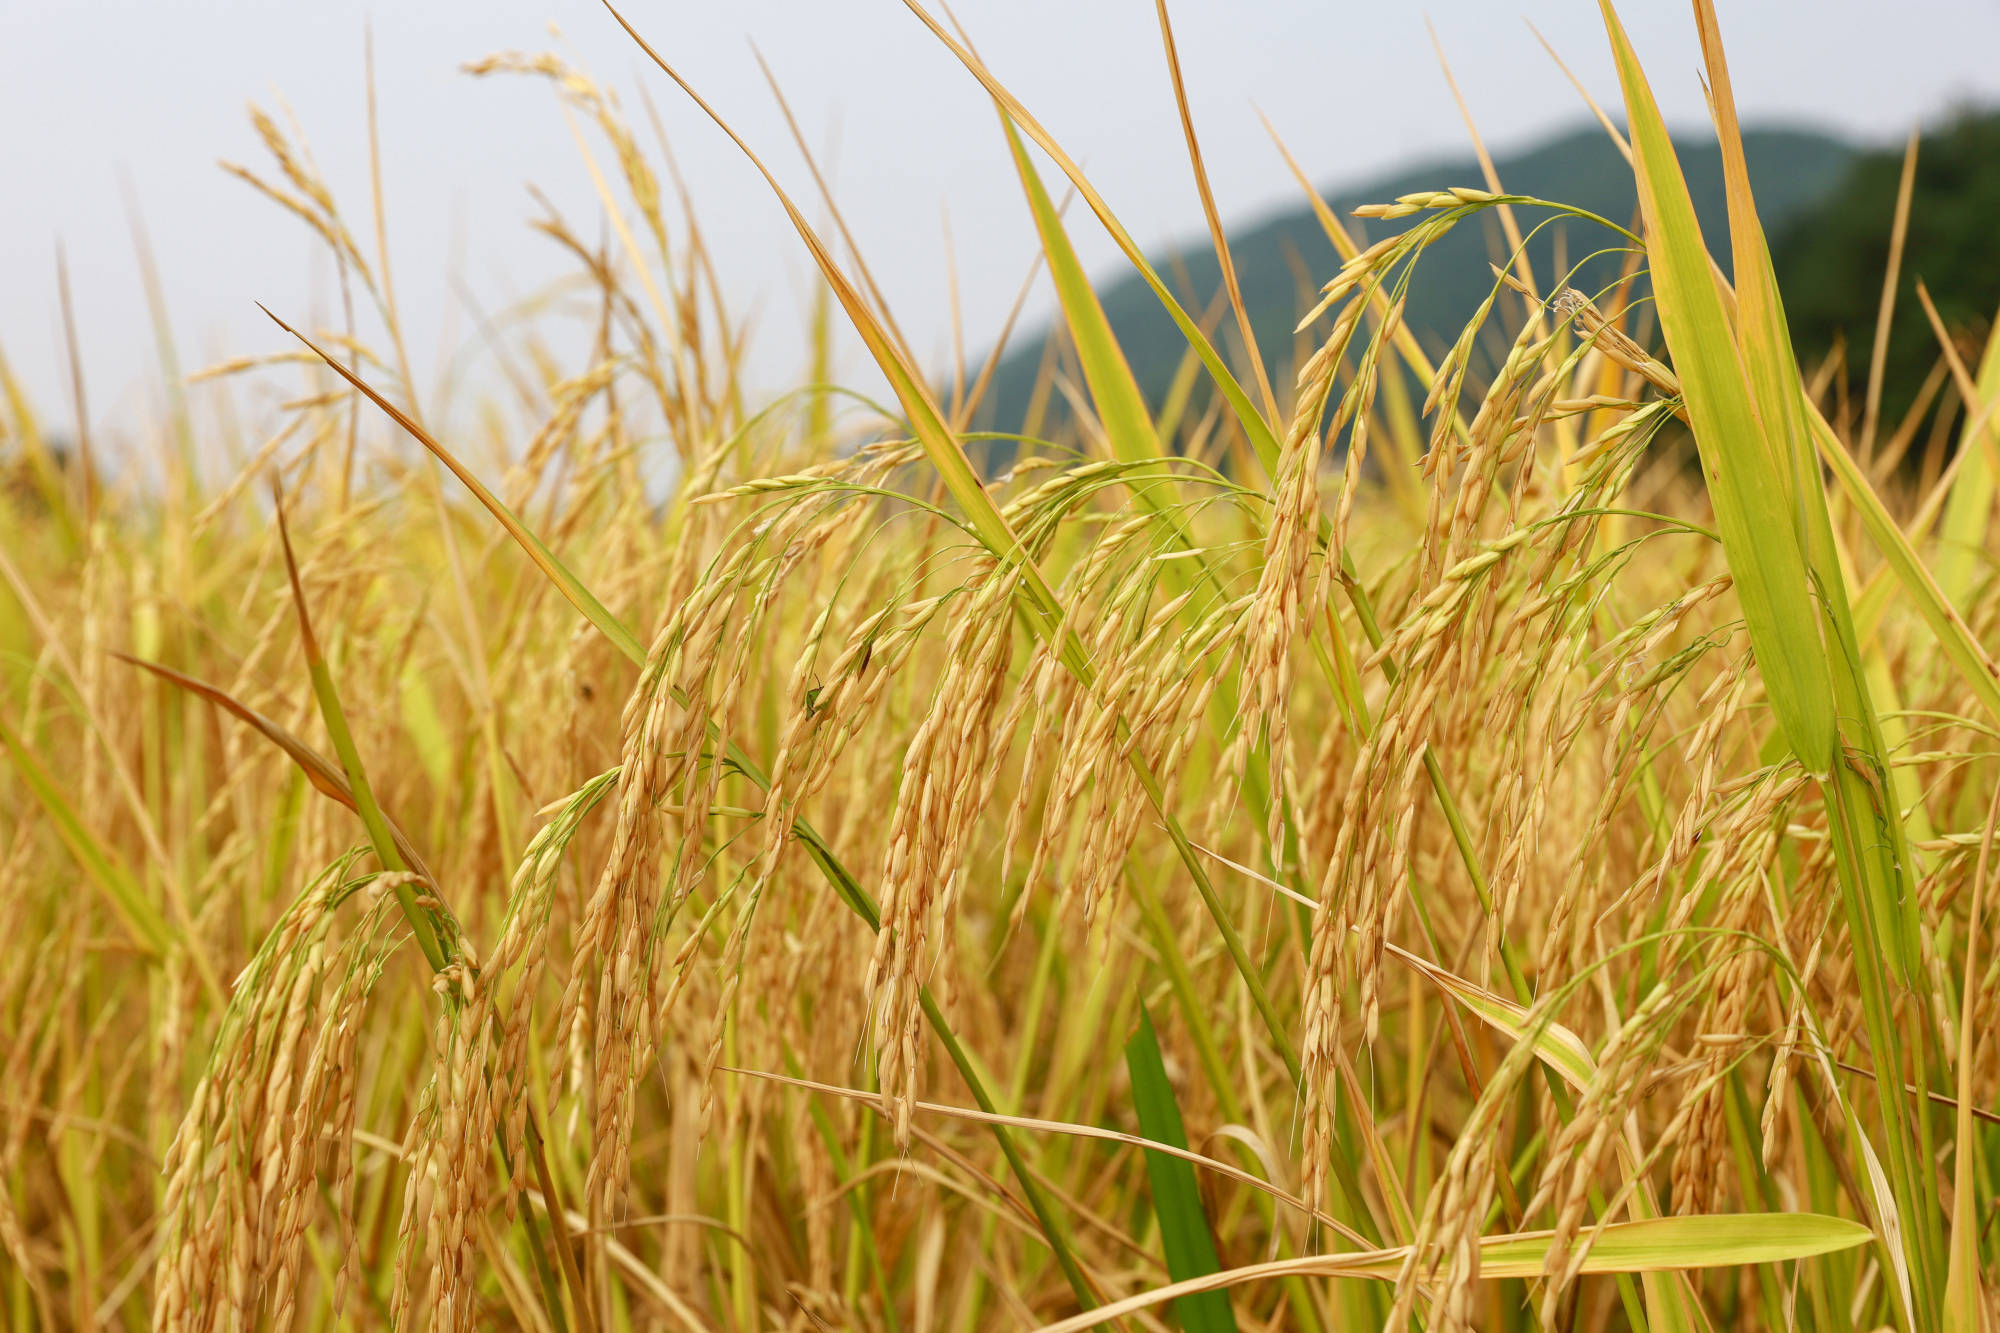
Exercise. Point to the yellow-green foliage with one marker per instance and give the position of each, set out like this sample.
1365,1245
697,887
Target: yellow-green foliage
1532,882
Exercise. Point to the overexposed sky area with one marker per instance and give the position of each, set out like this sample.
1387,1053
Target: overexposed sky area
98,96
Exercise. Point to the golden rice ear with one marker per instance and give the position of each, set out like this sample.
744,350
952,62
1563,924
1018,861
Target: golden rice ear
946,454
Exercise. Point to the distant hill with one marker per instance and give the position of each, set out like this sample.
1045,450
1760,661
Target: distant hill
1831,263
1791,170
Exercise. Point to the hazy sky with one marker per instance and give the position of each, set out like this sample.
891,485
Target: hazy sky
152,92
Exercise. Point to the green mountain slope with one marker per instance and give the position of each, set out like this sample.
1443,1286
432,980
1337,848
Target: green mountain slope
1791,170
1831,263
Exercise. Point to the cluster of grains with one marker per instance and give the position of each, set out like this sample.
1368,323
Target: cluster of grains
1438,657
277,1098
1110,694
1443,1257
1287,598
1601,1126
1127,735
948,771
1746,840
1362,886
671,762
1625,704
480,1096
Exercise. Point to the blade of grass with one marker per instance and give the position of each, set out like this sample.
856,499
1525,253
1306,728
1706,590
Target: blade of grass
1779,400
86,463
122,891
1739,384
1184,1232
1921,587
1518,266
1556,1046
1964,1298
1878,355
1217,237
569,585
1121,408
1872,845
335,718
1968,513
1663,1245
1751,492
1262,440
324,777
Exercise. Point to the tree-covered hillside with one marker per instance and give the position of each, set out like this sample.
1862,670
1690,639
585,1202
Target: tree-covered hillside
1832,262
1792,170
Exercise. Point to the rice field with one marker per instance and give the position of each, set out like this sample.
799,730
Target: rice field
1495,836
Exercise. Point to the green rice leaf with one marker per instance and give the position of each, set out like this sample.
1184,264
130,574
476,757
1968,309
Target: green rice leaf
1663,1245
322,774
1556,1046
1968,513
1259,432
1740,384
1176,1199
1753,493
1765,343
1680,1244
120,887
1928,594
381,834
571,587
1120,406
1964,1297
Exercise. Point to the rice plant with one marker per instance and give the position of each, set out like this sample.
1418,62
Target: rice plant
1492,839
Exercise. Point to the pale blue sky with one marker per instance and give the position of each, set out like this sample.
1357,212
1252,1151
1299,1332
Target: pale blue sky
154,91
